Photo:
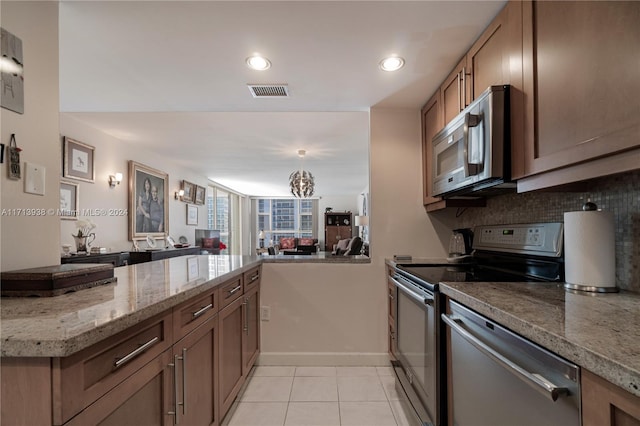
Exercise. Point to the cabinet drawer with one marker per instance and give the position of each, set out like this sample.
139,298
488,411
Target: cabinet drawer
80,379
230,291
142,399
251,278
189,315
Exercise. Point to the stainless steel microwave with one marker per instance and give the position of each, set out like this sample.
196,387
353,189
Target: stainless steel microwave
471,155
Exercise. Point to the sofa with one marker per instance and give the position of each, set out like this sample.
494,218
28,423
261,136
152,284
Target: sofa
297,246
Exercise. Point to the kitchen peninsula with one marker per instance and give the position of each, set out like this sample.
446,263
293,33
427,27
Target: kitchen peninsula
111,351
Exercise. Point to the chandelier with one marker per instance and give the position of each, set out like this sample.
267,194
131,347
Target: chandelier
301,182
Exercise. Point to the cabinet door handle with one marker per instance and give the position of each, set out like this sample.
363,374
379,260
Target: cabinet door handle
235,289
174,413
464,88
246,315
196,314
184,381
122,361
458,78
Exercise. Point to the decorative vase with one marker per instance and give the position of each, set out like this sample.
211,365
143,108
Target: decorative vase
83,242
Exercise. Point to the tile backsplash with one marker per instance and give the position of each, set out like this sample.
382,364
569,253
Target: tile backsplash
618,193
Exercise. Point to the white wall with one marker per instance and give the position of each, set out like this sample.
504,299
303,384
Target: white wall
111,156
29,241
328,314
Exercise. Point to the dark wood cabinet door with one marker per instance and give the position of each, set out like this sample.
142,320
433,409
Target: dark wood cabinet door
488,58
581,82
142,399
453,91
604,404
196,361
432,123
251,335
231,324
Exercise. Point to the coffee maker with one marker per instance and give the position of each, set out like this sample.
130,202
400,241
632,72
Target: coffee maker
460,243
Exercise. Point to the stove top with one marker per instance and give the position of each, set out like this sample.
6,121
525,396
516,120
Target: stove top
503,253
433,274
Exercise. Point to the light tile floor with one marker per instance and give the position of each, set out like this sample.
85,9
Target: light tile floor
318,396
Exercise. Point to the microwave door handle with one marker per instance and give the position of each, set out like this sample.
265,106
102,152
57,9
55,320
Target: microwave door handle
470,120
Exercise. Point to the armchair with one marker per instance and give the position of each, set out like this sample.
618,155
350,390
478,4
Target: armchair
348,247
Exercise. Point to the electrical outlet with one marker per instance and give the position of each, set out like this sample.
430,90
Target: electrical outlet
265,313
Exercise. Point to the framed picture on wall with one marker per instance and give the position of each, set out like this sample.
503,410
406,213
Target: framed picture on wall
77,160
192,215
148,202
189,191
68,200
200,195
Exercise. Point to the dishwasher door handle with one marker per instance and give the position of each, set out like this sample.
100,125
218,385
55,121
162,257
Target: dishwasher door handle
538,382
424,299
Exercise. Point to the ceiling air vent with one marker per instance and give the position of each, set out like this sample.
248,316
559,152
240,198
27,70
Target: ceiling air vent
269,90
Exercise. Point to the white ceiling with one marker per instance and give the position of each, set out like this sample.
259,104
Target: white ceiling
171,75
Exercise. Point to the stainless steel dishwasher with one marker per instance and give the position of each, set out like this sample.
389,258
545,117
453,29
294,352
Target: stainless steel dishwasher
497,377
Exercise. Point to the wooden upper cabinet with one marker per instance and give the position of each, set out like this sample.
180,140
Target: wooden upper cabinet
582,91
432,122
487,62
453,91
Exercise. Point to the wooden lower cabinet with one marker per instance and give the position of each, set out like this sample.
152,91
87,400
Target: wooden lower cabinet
230,366
195,359
142,399
604,404
184,366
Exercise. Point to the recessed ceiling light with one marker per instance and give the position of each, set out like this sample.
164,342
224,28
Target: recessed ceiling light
259,63
392,63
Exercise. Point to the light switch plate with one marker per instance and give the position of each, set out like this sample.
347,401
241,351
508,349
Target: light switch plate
34,178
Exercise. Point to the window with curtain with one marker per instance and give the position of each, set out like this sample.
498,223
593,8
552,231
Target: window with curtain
285,217
223,214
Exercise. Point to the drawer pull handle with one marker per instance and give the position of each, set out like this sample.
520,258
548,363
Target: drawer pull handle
255,277
121,361
201,311
235,289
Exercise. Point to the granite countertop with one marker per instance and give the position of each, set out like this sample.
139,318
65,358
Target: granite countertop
320,257
600,333
62,325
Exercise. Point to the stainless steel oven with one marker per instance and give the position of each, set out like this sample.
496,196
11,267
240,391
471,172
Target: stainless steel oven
417,348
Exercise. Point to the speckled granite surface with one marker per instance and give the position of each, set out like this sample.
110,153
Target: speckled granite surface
321,257
62,325
599,333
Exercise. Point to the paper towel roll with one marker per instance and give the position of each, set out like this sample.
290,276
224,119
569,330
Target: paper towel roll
589,249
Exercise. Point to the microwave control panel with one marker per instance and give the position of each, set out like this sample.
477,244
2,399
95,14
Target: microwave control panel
544,239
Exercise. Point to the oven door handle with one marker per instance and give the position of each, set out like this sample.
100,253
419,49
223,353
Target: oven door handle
424,299
538,382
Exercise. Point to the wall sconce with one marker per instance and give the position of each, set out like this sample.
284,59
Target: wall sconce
179,194
115,180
